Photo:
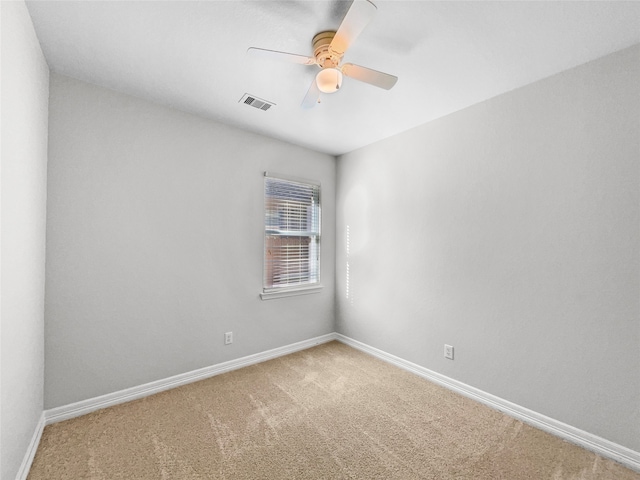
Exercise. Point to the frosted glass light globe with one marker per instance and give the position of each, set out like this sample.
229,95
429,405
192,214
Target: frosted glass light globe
329,80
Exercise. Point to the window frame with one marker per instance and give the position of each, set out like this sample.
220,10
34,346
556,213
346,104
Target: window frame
271,292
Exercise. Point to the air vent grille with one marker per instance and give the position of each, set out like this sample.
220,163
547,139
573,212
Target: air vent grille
256,102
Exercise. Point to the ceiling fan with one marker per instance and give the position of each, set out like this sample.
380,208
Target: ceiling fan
328,49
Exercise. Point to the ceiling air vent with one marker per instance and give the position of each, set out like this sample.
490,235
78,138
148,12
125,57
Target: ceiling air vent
256,102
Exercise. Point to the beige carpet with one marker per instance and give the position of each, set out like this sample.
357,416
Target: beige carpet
325,413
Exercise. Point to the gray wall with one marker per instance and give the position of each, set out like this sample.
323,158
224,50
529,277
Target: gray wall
25,90
509,230
154,243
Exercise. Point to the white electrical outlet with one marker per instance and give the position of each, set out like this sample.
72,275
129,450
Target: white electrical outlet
228,338
448,352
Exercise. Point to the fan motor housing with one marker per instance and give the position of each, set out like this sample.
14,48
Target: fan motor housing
325,58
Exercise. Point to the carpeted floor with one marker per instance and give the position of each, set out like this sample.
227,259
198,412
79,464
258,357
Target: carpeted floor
330,412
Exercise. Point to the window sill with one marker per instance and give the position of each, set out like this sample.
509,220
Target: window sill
290,292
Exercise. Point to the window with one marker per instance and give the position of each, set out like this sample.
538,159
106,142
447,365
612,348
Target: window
291,236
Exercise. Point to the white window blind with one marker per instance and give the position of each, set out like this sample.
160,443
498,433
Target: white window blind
292,233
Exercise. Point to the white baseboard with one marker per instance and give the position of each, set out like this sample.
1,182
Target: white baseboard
23,471
627,457
83,407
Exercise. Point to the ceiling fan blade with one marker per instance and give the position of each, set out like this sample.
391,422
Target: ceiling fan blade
281,56
367,75
312,96
359,15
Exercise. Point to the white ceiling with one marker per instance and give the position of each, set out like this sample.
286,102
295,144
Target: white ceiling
191,55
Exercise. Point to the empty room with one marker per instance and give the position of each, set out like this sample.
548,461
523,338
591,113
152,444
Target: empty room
320,240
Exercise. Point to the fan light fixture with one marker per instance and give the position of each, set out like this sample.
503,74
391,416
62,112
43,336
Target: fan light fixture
329,47
329,80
